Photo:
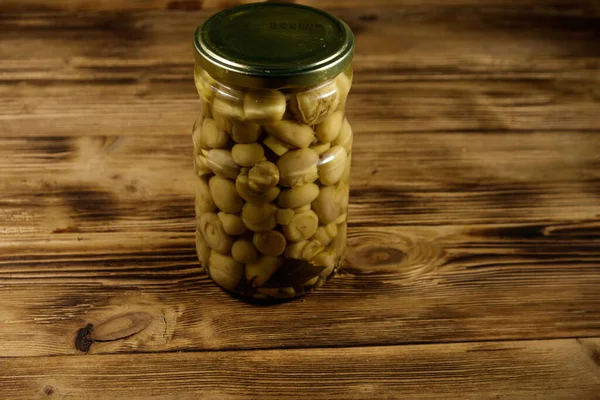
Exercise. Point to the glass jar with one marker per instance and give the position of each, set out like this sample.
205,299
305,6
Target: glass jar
272,148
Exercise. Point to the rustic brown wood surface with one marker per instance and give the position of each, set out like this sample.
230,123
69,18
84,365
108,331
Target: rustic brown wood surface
553,369
474,269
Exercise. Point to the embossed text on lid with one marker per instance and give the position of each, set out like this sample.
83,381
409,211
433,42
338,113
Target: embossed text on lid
273,45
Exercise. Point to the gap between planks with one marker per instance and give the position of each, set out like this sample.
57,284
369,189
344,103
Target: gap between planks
556,369
308,349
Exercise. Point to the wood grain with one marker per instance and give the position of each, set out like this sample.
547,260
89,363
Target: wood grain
191,5
62,185
453,236
474,217
556,369
450,68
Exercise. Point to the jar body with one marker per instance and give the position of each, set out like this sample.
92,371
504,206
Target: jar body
272,184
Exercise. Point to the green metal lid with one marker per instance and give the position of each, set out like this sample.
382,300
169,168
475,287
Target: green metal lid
273,45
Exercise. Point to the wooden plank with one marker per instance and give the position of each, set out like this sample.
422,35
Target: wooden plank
555,369
422,42
452,68
398,286
191,5
49,186
453,237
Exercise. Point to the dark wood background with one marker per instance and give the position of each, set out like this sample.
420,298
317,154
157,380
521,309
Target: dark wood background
474,266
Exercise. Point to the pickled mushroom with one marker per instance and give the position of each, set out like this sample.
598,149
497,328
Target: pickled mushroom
243,188
211,137
264,106
332,165
340,219
306,207
298,196
221,163
302,226
263,176
222,122
284,216
343,82
259,217
203,199
225,195
197,133
205,108
313,106
325,259
344,191
245,132
325,233
202,249
304,250
232,223
200,166
292,132
330,128
344,139
298,167
270,243
327,204
228,107
346,174
312,281
212,231
243,251
225,271
320,148
277,146
204,84
247,155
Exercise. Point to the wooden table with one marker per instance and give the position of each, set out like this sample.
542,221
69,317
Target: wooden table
474,269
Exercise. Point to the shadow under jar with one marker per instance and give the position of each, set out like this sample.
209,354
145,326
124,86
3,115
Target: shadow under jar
272,148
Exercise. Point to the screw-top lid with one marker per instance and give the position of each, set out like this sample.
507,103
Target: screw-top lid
273,45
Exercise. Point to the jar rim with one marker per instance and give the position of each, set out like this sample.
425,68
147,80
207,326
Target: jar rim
273,45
